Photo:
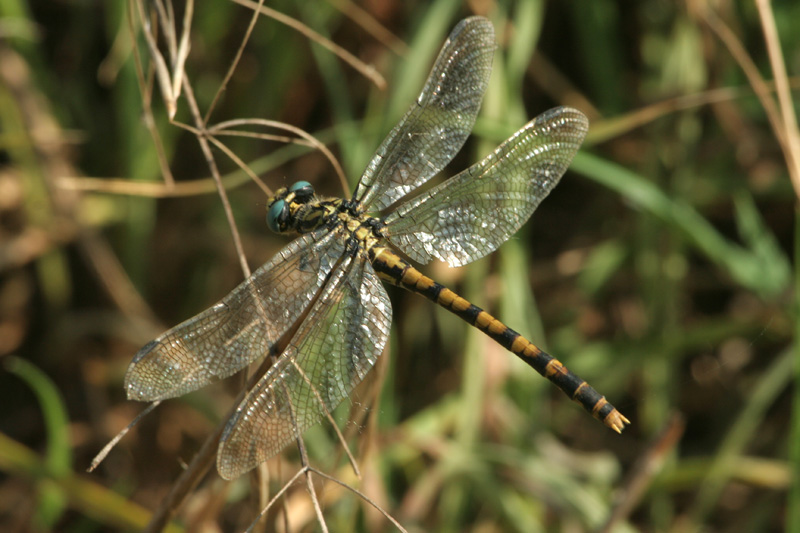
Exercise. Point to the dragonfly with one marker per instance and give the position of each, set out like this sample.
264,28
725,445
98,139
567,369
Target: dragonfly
322,296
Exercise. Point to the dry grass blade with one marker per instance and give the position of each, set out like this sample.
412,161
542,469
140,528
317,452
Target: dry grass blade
364,497
234,62
366,70
100,457
792,134
311,141
146,90
162,71
182,53
212,165
147,190
785,132
241,164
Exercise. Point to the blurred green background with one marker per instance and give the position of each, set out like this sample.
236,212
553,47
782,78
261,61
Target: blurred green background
662,268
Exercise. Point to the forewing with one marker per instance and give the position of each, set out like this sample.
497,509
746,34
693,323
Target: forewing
335,347
435,127
242,327
472,213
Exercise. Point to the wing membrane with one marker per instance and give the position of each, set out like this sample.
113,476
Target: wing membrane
333,350
242,327
472,213
435,127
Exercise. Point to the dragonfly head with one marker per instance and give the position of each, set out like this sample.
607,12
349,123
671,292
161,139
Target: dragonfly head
282,207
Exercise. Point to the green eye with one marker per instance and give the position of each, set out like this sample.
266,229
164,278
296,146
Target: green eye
300,185
303,191
274,215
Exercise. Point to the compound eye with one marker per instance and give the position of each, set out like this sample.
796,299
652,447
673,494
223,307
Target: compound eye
302,190
275,215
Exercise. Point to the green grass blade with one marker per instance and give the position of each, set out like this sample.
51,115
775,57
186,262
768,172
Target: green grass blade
58,459
793,503
767,275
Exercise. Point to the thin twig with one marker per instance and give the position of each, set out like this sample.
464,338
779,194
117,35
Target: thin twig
791,150
181,54
297,131
330,418
234,63
748,66
112,275
241,164
146,89
363,497
212,165
167,16
264,137
367,71
100,457
275,498
148,189
162,72
301,446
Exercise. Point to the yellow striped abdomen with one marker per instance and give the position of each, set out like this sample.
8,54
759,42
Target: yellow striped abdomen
395,270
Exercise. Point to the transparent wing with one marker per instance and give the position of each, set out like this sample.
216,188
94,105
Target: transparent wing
242,327
335,347
434,129
472,213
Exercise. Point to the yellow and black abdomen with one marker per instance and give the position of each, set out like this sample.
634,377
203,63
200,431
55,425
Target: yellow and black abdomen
395,270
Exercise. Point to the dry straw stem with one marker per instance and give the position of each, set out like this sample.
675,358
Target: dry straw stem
234,63
792,147
306,139
782,121
367,71
146,90
146,189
